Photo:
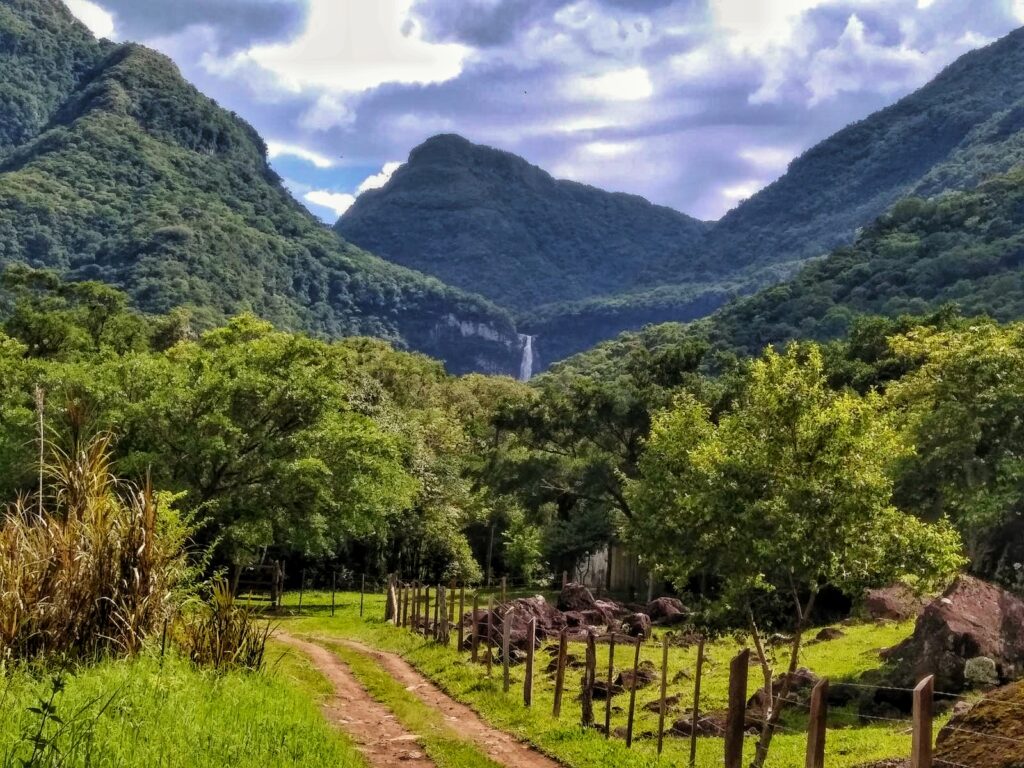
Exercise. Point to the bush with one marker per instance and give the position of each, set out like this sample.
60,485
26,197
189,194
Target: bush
221,634
90,567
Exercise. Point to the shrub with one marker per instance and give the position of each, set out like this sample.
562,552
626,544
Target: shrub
221,634
92,565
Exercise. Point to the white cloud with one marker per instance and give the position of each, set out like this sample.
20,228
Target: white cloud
99,21
632,84
279,149
378,180
1018,10
768,158
339,202
609,149
758,26
737,192
328,112
356,45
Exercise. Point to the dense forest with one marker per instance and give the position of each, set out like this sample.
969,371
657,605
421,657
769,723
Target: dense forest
117,170
489,222
483,219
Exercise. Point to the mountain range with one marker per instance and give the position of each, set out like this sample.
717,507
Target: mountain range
114,168
576,265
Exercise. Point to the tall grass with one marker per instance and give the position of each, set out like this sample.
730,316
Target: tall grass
221,634
90,566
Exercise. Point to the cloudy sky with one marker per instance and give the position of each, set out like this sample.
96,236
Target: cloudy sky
694,104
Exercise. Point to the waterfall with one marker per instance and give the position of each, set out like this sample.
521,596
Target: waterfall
526,365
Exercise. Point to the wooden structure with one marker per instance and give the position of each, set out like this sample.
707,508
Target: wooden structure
266,579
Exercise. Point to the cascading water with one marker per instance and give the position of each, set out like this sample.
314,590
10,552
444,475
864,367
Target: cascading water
526,366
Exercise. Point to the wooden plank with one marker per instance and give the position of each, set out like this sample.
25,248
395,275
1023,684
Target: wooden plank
530,648
506,642
462,616
738,671
817,726
504,588
608,688
698,676
664,691
563,648
921,745
490,630
475,633
587,698
632,695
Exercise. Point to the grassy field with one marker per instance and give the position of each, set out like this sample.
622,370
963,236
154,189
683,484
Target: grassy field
850,742
141,714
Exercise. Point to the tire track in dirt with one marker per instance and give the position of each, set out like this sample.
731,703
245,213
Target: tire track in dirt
498,745
375,730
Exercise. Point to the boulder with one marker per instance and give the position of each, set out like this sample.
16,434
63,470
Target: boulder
801,683
895,603
645,675
707,725
990,733
602,691
637,625
666,611
549,623
575,597
972,618
828,634
671,702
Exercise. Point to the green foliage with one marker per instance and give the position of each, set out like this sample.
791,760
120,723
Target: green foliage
489,222
131,177
962,408
789,491
221,634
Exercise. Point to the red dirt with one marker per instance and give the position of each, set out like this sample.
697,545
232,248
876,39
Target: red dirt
496,744
377,733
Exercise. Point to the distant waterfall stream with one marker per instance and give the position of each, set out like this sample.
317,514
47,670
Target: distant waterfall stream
526,365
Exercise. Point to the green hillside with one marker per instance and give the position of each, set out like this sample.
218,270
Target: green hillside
489,222
139,180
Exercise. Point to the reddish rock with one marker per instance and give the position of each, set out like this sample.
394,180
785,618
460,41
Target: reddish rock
637,625
575,597
550,623
828,634
989,733
972,618
895,603
645,675
801,683
666,611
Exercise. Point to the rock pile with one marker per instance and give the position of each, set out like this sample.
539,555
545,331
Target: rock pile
972,619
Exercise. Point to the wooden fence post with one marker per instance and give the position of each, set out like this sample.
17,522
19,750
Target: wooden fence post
506,642
632,695
441,612
530,648
921,749
696,701
302,586
451,613
817,725
608,696
407,589
504,588
415,606
426,610
334,586
490,630
437,612
462,616
565,578
475,632
362,591
587,699
563,649
664,690
737,709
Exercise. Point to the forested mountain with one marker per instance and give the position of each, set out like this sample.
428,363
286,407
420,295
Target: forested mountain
457,211
489,222
116,169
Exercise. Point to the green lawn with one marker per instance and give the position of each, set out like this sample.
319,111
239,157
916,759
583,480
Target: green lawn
141,714
564,739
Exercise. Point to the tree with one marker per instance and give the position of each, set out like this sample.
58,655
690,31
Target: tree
789,492
962,408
